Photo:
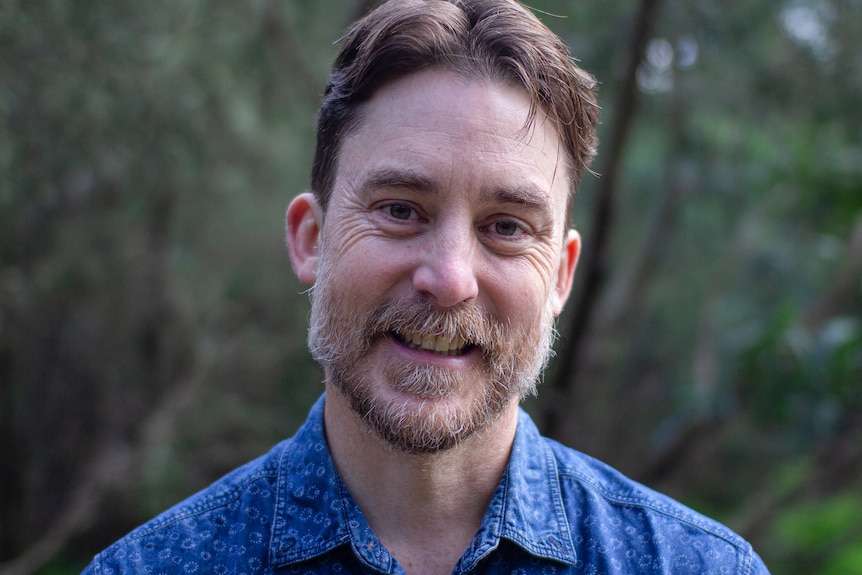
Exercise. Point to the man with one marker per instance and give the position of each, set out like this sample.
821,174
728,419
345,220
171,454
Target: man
451,139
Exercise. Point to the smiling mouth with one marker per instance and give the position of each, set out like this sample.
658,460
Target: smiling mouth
434,344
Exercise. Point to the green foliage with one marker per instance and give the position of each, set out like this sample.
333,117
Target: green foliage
823,536
794,376
60,566
147,154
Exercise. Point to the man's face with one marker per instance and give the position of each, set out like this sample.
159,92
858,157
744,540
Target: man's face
443,259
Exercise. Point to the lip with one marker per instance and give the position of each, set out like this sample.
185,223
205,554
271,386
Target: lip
433,344
427,356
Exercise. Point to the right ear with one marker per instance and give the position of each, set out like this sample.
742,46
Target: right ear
303,222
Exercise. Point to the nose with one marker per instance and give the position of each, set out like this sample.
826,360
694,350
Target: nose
447,271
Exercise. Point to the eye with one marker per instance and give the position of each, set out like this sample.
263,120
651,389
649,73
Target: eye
507,228
400,211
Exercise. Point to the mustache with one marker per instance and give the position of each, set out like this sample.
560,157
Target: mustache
474,325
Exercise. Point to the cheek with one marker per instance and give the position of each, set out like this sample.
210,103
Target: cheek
539,275
363,268
520,293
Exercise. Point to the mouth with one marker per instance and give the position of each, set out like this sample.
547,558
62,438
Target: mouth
434,344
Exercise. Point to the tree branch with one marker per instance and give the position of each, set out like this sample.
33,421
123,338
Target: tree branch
595,264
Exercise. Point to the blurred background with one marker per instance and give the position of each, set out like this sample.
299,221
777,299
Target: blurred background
152,335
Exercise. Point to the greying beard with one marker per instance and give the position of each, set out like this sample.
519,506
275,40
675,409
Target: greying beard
340,339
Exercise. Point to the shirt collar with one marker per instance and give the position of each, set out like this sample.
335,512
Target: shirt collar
533,515
314,513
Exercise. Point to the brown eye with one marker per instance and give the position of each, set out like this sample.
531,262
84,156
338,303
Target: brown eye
400,211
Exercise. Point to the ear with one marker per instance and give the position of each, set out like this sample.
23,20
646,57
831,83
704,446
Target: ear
303,222
566,272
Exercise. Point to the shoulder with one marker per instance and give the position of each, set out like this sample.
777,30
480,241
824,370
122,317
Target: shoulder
219,528
608,511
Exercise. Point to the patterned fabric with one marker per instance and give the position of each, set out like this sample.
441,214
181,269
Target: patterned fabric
555,511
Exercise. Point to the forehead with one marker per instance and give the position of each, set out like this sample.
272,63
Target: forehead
469,129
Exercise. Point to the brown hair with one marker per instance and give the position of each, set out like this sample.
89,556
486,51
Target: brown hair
489,39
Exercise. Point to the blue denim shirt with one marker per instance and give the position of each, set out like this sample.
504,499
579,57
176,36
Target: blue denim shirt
554,511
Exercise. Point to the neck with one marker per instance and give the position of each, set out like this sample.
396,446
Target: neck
412,500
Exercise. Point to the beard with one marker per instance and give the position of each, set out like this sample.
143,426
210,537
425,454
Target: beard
341,335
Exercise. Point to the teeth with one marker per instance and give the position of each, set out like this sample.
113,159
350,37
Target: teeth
441,345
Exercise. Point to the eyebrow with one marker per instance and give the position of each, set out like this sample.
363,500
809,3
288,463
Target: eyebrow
391,178
528,196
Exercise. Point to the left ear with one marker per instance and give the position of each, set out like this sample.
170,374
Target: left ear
566,271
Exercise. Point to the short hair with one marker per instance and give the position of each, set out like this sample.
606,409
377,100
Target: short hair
496,40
